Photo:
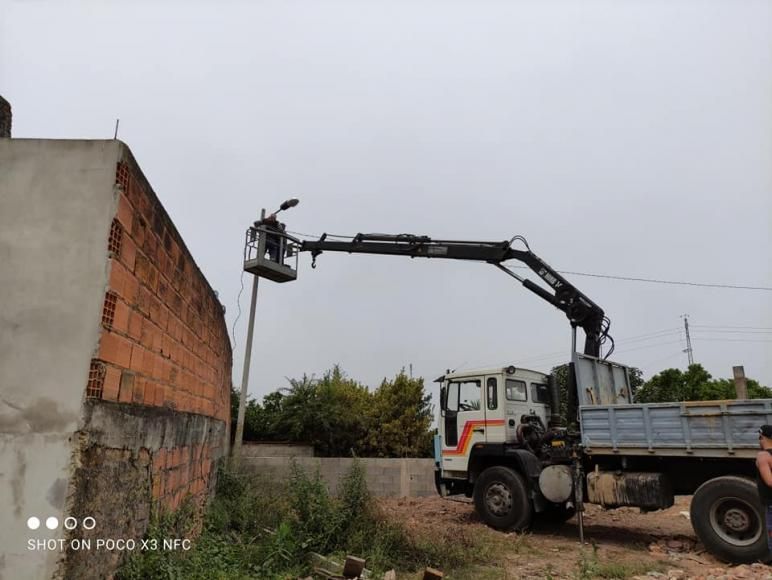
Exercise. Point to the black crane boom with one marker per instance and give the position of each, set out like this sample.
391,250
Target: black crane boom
580,310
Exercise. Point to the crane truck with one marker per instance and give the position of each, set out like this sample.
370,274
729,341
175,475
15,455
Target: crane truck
502,441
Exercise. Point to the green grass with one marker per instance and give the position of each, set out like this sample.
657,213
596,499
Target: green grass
588,567
251,530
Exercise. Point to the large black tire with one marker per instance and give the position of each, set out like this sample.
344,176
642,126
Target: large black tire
728,518
501,499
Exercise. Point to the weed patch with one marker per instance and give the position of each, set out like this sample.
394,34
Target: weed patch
266,531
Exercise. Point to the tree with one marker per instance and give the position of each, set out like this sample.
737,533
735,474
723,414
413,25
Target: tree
256,419
329,413
695,384
400,419
341,417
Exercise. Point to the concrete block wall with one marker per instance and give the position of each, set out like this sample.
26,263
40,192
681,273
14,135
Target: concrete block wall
254,449
408,477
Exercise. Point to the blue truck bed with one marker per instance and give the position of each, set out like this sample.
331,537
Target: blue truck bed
695,428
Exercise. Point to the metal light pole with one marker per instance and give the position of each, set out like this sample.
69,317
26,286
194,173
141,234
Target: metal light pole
256,269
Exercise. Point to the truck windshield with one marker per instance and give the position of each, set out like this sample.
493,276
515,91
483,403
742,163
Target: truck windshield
463,395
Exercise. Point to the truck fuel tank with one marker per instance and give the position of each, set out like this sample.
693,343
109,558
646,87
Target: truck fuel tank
649,491
556,483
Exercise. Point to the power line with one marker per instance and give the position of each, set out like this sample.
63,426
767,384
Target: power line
560,354
649,346
749,332
662,359
768,341
607,276
768,328
671,282
640,336
648,338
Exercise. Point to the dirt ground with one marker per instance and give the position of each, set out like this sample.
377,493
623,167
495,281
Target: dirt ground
621,543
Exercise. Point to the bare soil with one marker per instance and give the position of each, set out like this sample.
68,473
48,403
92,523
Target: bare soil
621,543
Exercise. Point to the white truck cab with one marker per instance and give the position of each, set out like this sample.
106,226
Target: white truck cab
487,406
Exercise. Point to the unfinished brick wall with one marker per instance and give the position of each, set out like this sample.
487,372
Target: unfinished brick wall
164,341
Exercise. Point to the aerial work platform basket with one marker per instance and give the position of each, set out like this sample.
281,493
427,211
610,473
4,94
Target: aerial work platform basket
269,252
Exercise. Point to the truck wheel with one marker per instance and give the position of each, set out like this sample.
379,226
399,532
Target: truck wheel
501,499
727,517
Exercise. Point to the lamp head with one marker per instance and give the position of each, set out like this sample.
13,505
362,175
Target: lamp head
292,202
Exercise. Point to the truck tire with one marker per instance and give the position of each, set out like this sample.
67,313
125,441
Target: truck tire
501,499
727,517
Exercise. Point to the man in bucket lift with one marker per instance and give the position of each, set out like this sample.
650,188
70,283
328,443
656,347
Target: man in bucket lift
274,242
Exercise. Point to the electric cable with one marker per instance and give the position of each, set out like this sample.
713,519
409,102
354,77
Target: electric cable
729,328
712,339
607,276
238,309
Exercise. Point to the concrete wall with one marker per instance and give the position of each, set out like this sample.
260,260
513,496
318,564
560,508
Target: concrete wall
250,449
114,357
385,477
56,203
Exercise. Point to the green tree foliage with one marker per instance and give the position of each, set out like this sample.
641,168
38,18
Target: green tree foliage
256,418
341,417
669,385
400,417
694,384
329,413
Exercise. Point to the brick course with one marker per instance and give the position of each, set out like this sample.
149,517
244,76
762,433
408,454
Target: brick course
164,341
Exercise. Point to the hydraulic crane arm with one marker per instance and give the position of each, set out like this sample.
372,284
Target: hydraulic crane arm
580,310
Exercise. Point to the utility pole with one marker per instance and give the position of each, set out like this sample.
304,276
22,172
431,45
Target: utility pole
273,267
688,349
245,373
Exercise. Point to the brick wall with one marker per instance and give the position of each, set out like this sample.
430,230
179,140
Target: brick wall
163,340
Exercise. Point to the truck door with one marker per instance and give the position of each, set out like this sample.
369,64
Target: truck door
463,421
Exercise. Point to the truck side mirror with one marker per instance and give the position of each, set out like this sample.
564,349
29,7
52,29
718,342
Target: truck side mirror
443,399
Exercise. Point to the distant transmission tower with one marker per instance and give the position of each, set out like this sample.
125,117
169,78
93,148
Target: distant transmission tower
688,349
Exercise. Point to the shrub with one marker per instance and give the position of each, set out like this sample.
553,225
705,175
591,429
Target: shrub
266,531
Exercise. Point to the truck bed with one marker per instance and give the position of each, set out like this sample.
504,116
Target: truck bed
694,428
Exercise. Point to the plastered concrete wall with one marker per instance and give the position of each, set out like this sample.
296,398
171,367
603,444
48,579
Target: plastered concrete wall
385,477
114,356
57,199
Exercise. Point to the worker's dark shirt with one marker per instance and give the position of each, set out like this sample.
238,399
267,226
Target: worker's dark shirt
765,492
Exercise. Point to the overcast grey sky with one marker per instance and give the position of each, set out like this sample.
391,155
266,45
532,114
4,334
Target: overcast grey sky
620,137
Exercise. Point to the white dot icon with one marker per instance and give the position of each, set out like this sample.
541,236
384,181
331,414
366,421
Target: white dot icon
52,523
33,523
